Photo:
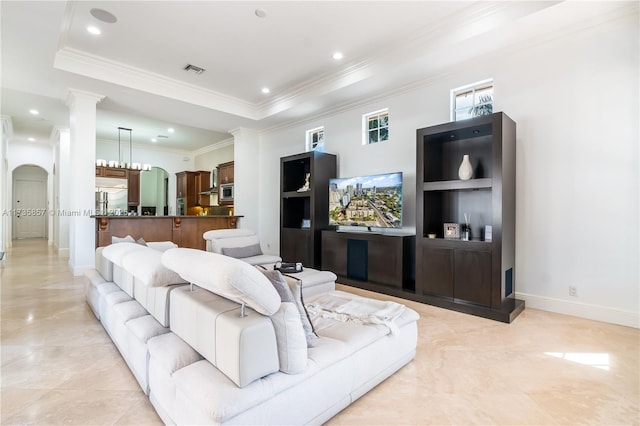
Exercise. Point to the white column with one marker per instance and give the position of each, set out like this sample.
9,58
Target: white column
246,170
82,176
62,195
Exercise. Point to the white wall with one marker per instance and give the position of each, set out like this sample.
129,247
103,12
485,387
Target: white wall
575,102
209,158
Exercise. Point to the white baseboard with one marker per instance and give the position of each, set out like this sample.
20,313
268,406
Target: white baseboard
80,270
582,310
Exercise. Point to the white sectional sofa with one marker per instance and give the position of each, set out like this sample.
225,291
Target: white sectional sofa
215,340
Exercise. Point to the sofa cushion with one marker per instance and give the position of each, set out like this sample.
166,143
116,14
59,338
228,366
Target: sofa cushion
220,243
242,348
227,233
171,352
161,245
263,259
104,265
116,252
155,300
146,266
226,276
290,338
229,238
145,327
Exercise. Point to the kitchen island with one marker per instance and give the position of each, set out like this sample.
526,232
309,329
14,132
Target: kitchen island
185,231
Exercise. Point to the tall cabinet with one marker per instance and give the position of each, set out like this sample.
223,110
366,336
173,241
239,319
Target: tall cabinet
189,187
474,276
304,205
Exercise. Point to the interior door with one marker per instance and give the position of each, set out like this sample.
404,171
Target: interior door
30,209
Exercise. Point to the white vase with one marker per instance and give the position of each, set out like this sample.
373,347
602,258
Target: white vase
465,172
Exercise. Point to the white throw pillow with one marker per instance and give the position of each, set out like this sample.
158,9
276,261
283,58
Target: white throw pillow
290,339
127,239
296,290
228,277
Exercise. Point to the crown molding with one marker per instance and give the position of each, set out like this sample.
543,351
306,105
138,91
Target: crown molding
213,147
73,93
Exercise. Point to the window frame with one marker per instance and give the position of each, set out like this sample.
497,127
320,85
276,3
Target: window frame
365,126
472,89
309,138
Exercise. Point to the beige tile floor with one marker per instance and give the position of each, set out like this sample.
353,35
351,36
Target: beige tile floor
59,366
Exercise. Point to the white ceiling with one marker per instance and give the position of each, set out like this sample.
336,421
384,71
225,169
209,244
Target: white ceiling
138,62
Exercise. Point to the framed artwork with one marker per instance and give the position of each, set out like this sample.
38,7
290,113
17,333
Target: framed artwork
451,231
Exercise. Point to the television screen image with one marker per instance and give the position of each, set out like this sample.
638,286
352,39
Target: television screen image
373,201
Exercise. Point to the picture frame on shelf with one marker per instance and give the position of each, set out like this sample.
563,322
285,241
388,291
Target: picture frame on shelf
306,224
451,231
488,233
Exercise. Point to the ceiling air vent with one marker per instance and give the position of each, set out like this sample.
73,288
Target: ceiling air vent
194,69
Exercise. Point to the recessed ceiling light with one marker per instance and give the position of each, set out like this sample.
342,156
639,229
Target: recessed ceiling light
337,56
170,130
154,140
260,13
34,112
103,15
31,139
265,90
94,30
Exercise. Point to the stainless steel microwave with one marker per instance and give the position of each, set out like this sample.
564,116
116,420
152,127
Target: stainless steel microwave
226,192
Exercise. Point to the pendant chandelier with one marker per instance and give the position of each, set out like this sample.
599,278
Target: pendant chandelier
122,164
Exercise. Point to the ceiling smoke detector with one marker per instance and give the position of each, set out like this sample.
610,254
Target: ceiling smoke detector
194,69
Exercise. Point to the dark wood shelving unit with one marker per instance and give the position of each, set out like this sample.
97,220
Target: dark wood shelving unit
304,214
477,276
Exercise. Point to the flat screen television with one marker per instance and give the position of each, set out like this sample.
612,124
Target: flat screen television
373,201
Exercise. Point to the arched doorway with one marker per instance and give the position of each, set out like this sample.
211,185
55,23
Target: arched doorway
154,187
29,202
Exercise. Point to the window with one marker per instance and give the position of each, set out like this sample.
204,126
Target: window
315,139
375,127
472,100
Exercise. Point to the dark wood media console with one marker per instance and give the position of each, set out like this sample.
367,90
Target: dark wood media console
377,262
